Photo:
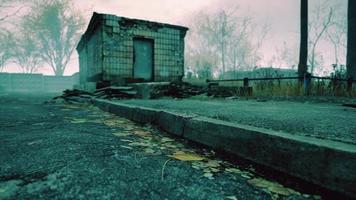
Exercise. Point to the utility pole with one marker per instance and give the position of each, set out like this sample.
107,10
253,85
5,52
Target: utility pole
351,40
303,50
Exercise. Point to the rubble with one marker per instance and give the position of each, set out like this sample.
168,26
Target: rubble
183,90
172,89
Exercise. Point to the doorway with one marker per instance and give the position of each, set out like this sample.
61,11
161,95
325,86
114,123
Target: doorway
143,59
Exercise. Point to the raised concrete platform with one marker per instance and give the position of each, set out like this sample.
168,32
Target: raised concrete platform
329,164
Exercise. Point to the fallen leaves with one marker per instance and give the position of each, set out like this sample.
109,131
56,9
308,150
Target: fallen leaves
78,120
142,133
149,151
233,170
151,144
114,122
141,144
122,134
231,197
185,156
272,187
208,175
165,140
126,147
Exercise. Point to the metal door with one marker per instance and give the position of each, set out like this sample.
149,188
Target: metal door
143,59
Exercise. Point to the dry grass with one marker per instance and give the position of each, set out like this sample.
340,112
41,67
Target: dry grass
293,88
290,88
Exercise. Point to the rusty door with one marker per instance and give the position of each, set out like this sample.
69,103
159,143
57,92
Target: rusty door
143,59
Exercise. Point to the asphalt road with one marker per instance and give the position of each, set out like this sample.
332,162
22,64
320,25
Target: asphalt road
69,151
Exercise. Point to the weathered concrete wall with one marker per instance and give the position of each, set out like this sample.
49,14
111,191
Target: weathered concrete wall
36,82
118,34
90,59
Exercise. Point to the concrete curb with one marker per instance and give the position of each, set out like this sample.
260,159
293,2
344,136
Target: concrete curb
329,164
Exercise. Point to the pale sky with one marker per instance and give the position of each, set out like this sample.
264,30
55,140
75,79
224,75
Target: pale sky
284,26
282,15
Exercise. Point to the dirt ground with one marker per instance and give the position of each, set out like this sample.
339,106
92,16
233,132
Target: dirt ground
74,151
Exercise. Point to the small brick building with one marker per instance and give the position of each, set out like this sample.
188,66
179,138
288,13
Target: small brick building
117,49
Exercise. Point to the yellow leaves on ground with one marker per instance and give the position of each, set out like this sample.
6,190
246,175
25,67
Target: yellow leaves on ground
142,133
209,175
231,198
78,120
141,144
122,134
72,106
233,170
208,166
273,187
149,151
114,122
154,144
185,156
126,147
165,140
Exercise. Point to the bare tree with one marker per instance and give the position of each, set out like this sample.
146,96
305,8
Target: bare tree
5,44
303,48
25,52
199,53
351,40
220,28
57,27
226,40
7,9
285,56
318,26
239,45
336,35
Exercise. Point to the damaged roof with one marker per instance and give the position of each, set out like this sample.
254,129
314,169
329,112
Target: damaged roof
98,18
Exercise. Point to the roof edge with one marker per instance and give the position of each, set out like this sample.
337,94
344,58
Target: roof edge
96,20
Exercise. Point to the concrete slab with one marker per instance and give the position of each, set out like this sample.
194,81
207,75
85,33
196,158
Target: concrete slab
144,115
173,122
326,163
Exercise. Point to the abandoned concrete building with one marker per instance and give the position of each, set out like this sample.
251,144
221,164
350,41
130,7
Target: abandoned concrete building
118,50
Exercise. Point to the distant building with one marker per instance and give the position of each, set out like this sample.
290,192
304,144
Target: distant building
117,49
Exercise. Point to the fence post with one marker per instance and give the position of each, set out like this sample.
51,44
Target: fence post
349,85
43,83
10,82
307,83
246,82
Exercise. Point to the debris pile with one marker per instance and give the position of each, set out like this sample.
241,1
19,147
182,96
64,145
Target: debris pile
147,91
221,91
111,92
74,95
115,92
182,90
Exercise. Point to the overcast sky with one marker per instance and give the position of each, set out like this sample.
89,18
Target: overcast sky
282,15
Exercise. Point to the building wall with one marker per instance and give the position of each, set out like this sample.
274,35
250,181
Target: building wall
118,34
90,58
